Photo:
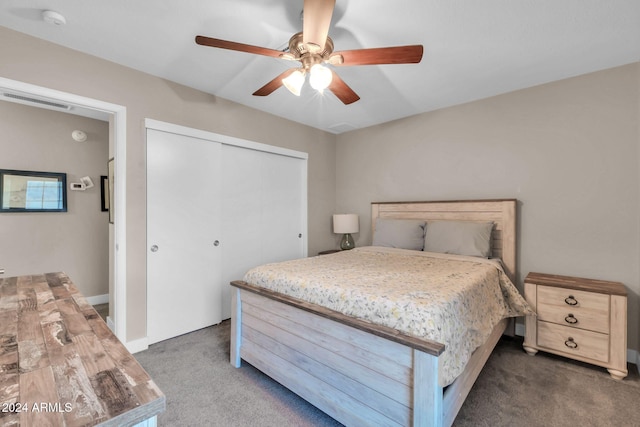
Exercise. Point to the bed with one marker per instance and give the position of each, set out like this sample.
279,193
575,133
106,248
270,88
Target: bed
374,369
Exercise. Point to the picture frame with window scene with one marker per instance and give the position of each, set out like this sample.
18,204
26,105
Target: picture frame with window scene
31,191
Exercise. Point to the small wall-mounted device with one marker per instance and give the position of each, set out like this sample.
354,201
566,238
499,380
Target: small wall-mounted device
86,181
77,186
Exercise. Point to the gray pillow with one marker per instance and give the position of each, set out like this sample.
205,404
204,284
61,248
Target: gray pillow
459,237
399,233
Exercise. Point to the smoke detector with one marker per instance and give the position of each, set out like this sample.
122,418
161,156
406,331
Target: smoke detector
53,18
79,136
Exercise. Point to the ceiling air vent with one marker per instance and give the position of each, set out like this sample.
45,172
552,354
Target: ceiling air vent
41,102
341,128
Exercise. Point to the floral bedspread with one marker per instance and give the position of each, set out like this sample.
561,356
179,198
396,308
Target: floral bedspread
455,300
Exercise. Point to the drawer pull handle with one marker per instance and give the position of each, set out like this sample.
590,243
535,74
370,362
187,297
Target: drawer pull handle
571,300
571,343
571,319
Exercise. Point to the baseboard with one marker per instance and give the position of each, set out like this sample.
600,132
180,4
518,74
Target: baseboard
110,324
632,355
98,299
137,346
134,346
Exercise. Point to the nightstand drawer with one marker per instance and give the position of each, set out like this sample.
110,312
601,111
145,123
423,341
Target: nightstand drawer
574,308
573,342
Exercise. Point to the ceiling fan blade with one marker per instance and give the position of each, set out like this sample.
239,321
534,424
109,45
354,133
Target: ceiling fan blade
316,21
411,54
342,90
240,47
273,84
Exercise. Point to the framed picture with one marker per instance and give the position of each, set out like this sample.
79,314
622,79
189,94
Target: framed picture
111,186
104,192
28,191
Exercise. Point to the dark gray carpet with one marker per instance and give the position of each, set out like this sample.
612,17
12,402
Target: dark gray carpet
514,389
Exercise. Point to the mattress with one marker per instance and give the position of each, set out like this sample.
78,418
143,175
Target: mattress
452,299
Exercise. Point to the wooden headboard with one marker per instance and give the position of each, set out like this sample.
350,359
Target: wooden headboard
501,211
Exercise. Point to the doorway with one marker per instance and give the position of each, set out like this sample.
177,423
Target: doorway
116,115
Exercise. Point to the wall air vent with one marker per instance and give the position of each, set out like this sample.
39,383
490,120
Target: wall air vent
41,102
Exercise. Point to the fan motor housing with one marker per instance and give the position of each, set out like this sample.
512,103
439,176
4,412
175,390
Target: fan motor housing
299,49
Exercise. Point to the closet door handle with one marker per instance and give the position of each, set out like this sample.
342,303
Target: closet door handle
154,248
216,243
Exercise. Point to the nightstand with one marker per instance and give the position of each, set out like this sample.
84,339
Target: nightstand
583,319
330,251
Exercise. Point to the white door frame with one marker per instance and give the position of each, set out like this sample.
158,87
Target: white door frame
119,129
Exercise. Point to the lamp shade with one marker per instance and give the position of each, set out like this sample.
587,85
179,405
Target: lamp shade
294,82
345,223
320,77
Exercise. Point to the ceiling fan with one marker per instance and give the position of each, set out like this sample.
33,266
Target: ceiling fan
313,48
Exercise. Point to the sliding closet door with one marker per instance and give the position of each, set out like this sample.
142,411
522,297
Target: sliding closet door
283,207
241,216
263,212
183,234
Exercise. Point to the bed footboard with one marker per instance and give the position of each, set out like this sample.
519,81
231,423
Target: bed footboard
357,376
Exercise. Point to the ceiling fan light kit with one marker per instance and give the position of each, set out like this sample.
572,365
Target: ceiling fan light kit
313,48
320,77
294,82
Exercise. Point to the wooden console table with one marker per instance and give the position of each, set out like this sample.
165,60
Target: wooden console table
61,365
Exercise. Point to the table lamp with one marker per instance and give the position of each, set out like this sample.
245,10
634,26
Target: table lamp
346,224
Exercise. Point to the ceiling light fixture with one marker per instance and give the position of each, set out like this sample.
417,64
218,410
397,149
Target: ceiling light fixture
294,82
53,17
320,77
313,48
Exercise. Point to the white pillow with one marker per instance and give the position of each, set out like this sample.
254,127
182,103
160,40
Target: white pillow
399,233
459,237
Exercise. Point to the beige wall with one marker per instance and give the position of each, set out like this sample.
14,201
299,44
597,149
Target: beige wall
45,64
568,151
75,241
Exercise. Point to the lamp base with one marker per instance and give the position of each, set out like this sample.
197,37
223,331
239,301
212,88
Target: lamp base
347,242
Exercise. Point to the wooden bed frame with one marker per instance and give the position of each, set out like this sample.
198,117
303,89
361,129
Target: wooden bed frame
357,372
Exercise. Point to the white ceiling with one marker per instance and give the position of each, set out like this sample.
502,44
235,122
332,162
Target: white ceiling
473,49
